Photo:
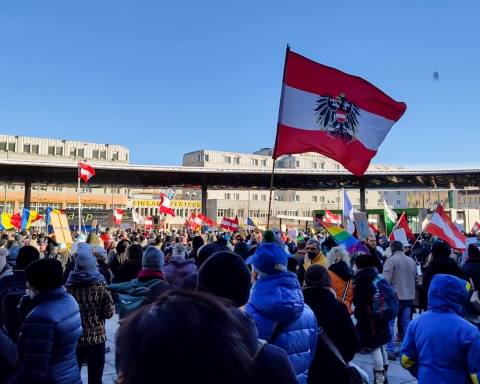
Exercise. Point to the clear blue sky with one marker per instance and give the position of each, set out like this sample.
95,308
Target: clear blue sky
168,77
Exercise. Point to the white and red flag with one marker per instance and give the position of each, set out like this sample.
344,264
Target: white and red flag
230,224
117,216
85,172
193,221
441,226
402,223
207,221
148,222
165,205
338,115
332,218
475,227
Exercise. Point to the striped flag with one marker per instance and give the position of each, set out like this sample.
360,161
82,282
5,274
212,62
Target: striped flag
441,225
85,172
29,217
475,227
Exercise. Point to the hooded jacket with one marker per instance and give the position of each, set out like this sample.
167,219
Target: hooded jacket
278,299
440,346
341,273
178,269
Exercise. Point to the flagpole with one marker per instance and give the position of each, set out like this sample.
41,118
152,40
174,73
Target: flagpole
79,203
274,157
423,229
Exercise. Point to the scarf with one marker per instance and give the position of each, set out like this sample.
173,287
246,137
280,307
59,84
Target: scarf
150,274
85,278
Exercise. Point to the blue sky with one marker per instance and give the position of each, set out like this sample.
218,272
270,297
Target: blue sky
168,77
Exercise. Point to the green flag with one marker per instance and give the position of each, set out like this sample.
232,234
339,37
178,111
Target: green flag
390,218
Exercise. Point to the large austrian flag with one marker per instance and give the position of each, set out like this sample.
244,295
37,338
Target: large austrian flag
327,111
441,226
85,171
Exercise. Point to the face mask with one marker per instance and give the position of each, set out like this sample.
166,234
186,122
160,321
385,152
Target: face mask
312,255
30,293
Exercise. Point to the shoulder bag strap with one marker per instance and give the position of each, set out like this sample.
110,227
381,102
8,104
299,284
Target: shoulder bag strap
261,343
322,334
276,332
346,290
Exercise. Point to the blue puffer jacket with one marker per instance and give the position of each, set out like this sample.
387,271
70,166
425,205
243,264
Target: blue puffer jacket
48,341
440,347
278,299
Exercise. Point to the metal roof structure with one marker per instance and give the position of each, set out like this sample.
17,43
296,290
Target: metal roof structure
148,176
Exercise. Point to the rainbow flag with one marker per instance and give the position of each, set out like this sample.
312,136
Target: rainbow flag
343,238
29,217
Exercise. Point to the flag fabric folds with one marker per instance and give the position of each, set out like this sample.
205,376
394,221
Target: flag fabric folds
85,172
343,238
229,224
475,227
390,217
48,213
5,223
252,222
117,216
136,217
165,205
29,217
194,222
148,222
327,111
402,223
348,211
332,218
16,220
441,226
206,221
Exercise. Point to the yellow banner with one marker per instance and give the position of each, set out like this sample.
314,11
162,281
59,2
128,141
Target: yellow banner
156,203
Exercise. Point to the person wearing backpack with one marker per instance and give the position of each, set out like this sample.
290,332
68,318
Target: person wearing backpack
401,272
145,289
87,285
373,330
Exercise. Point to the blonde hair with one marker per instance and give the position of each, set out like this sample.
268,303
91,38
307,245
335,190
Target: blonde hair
338,254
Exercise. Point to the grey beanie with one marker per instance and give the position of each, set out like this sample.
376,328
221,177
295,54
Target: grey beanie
85,261
153,259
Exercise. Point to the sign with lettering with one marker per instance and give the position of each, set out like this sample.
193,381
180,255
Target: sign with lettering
174,203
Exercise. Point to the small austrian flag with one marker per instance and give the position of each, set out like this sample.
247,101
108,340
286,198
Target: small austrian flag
86,171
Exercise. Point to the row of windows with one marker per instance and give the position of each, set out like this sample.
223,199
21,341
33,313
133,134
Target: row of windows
58,151
470,200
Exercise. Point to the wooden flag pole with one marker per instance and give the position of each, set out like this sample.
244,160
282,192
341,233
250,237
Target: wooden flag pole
274,154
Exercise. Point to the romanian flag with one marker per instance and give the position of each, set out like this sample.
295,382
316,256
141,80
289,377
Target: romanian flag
29,217
5,221
16,220
344,238
49,211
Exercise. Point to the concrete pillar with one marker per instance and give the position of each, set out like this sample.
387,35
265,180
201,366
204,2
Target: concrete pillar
28,190
363,206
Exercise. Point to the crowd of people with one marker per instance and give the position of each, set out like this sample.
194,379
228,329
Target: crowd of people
244,307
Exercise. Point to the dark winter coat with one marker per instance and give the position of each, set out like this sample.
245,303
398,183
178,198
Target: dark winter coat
128,270
472,271
378,258
178,269
373,332
8,357
444,265
335,320
48,341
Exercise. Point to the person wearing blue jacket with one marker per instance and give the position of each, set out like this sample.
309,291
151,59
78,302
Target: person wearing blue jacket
277,306
48,339
440,346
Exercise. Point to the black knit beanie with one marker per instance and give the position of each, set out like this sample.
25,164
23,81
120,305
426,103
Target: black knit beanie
440,249
45,274
317,276
363,260
225,274
26,255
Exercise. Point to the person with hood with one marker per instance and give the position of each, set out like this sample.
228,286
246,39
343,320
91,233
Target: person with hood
101,256
333,317
226,275
197,242
341,274
130,268
439,346
471,269
81,238
241,249
440,263
92,239
373,332
277,306
179,267
87,286
5,268
48,339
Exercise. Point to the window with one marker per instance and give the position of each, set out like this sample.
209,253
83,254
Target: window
8,208
73,152
263,214
379,192
385,192
115,190
57,189
379,202
281,213
11,147
314,199
103,155
263,197
295,198
236,160
255,197
35,149
321,165
366,201
337,199
236,196
95,153
314,165
241,212
279,198
297,163
85,190
3,146
263,163
26,148
254,161
51,150
59,151
227,196
202,157
254,213
336,166
12,187
115,156
220,213
358,201
227,159
398,193
306,213
292,213
81,152
322,199
399,202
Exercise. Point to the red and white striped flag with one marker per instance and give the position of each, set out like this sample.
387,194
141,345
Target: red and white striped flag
85,172
230,224
327,111
165,205
117,216
148,222
475,227
332,218
207,221
441,226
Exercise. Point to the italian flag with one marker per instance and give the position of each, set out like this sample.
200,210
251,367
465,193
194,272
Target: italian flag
306,126
390,218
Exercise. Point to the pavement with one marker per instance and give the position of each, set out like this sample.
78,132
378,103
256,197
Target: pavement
396,374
